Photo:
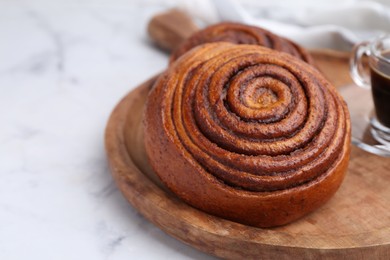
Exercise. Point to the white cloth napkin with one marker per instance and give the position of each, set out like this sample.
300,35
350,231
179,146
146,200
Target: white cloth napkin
334,24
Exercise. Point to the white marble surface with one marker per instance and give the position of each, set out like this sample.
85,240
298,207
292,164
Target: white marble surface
63,67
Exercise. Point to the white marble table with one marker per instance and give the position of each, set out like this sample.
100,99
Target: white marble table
63,67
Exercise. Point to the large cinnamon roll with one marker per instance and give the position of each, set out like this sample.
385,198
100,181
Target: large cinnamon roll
242,34
247,133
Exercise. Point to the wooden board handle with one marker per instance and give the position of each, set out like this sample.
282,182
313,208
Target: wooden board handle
170,28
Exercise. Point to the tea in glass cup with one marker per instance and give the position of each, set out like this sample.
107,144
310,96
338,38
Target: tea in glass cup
378,80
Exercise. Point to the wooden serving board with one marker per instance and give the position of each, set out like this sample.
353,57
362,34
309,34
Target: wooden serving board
354,224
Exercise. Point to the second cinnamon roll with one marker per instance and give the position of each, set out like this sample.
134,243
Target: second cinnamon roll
242,34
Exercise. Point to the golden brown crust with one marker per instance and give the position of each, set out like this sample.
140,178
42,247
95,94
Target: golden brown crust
242,34
247,133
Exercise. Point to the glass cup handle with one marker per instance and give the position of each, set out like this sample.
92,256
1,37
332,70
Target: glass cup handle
356,65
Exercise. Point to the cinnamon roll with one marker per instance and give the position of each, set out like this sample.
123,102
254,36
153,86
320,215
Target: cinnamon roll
242,34
246,133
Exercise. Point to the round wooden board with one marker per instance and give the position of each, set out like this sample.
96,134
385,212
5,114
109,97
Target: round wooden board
354,224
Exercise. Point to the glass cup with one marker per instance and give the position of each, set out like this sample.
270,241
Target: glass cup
375,76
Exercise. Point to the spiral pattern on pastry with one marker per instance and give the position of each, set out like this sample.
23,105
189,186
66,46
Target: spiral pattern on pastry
242,34
256,121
